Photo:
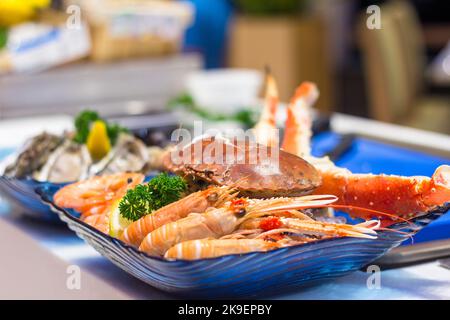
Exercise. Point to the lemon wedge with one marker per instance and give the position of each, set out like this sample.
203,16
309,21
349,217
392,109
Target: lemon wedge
117,223
98,142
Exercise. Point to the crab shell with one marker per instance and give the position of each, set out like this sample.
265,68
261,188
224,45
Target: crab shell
289,175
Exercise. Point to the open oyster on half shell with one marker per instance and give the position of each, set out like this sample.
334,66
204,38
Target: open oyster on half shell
59,159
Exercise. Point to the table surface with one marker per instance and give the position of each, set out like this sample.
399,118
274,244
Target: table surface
39,254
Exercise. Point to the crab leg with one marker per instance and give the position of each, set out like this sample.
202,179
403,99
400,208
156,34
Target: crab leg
298,122
402,196
266,125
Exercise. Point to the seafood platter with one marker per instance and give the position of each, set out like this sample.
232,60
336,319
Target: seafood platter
94,147
239,228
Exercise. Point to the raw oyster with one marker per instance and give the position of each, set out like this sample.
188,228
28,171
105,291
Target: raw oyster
128,155
69,162
34,155
59,159
155,161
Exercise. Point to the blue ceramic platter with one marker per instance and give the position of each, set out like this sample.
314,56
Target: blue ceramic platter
247,275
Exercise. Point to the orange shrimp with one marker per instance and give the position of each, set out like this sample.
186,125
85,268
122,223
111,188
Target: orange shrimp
96,191
98,221
255,222
95,210
196,202
315,228
217,222
266,127
210,248
98,217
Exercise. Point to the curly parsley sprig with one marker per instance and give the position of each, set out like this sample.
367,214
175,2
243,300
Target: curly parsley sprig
157,193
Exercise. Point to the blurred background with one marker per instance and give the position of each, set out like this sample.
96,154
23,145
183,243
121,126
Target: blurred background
132,57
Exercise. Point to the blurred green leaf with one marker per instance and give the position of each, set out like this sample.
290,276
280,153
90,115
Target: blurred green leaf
269,7
3,37
246,116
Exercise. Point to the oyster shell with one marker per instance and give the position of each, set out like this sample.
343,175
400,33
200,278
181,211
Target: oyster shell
128,155
34,155
156,155
59,159
69,162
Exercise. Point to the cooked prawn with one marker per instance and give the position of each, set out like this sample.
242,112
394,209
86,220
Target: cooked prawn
196,202
210,248
254,223
95,210
96,191
217,222
98,221
319,228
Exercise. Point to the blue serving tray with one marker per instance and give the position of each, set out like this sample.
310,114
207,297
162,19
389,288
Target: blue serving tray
253,274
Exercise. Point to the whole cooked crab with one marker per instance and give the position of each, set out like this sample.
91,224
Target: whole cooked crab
255,170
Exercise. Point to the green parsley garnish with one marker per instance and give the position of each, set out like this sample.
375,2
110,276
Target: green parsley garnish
83,123
157,193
